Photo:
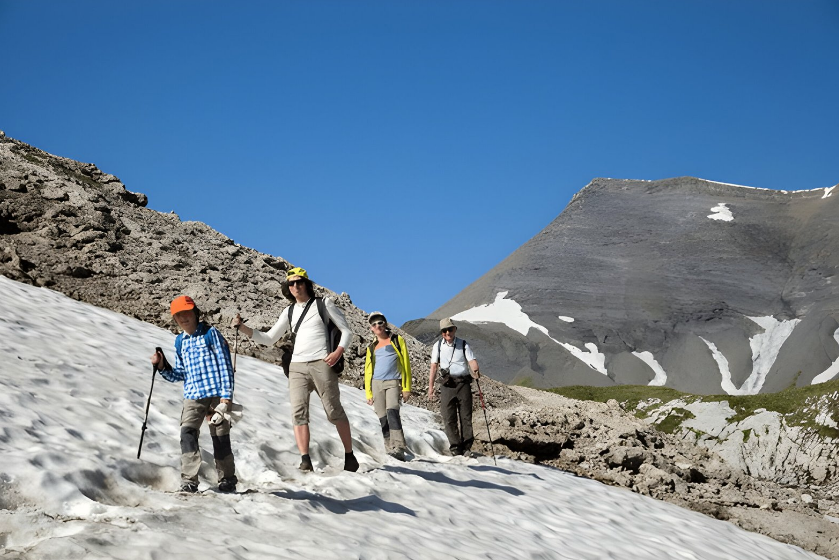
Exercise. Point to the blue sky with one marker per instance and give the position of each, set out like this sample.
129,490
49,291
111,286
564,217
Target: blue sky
399,150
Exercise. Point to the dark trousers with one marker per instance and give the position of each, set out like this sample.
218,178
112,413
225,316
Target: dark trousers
192,417
456,405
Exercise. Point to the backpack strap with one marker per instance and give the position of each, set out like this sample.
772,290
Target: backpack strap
179,340
324,316
439,343
394,339
464,353
302,315
322,310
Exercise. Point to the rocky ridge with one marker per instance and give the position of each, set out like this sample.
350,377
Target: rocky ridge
74,228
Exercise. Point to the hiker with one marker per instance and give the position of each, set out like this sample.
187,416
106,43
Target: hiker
311,362
202,362
387,380
459,368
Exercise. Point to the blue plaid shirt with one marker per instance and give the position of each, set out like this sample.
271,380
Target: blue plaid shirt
203,364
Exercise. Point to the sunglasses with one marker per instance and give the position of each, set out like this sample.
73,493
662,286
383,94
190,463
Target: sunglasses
377,323
450,329
296,282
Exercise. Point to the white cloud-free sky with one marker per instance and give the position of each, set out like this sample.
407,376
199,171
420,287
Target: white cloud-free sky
73,389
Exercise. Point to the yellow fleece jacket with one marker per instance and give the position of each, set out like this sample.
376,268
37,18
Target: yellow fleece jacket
403,363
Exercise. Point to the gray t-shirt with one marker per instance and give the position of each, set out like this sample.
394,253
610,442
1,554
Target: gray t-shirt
386,366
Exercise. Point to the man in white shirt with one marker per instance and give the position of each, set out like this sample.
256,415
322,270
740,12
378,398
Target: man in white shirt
456,363
311,362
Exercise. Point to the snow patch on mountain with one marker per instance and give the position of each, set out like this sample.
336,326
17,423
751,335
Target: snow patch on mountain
660,375
831,371
722,362
510,313
765,348
595,359
502,310
721,212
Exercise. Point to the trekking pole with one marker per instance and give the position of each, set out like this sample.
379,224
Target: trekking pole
235,348
148,403
483,405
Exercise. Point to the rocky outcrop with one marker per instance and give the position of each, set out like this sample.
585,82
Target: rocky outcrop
604,442
704,287
798,448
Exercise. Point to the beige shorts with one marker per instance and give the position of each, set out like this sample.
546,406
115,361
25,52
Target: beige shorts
305,377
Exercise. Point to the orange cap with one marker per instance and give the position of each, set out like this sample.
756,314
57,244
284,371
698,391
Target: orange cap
181,303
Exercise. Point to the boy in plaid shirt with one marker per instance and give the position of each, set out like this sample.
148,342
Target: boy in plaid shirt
202,362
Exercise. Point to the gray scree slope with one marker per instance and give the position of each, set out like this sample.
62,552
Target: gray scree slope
641,267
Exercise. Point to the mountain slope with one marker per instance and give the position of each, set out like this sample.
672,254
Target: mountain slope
702,286
72,395
72,227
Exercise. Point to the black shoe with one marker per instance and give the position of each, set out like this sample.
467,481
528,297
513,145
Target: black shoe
188,488
398,454
455,450
306,464
228,485
350,462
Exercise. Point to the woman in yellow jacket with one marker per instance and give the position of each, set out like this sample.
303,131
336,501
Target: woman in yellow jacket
387,378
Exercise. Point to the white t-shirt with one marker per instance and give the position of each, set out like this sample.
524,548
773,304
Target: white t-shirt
310,342
451,356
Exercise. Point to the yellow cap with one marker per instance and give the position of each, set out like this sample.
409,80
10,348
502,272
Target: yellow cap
297,271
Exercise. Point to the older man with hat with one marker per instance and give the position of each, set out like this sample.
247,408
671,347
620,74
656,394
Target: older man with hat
311,362
452,358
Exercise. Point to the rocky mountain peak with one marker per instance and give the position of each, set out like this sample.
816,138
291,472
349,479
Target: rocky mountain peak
705,287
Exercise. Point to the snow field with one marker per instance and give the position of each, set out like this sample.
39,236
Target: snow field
73,390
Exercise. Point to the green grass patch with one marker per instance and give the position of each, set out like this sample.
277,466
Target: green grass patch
674,420
797,404
747,434
627,395
526,381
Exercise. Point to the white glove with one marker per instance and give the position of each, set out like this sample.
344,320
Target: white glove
232,413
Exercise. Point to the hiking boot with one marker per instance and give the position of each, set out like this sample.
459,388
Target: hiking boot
350,462
306,464
227,485
398,454
188,488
